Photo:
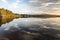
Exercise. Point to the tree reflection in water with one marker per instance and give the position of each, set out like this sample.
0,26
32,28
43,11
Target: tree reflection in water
5,20
0,18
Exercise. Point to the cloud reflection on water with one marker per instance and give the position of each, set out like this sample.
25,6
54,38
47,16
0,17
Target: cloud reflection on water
29,22
26,27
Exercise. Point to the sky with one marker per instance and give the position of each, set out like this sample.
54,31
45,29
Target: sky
32,6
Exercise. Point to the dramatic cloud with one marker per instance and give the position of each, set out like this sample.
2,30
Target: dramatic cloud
45,1
54,11
5,1
30,6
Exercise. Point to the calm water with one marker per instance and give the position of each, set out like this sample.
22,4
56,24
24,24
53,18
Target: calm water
30,22
21,27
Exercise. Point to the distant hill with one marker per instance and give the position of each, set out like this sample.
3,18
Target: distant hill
39,15
46,15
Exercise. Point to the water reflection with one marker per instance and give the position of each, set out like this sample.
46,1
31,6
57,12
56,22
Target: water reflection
5,20
0,19
26,22
31,29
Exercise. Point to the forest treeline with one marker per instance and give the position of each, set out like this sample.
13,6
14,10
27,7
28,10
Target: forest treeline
4,13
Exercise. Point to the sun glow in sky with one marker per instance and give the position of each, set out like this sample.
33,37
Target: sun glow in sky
32,6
